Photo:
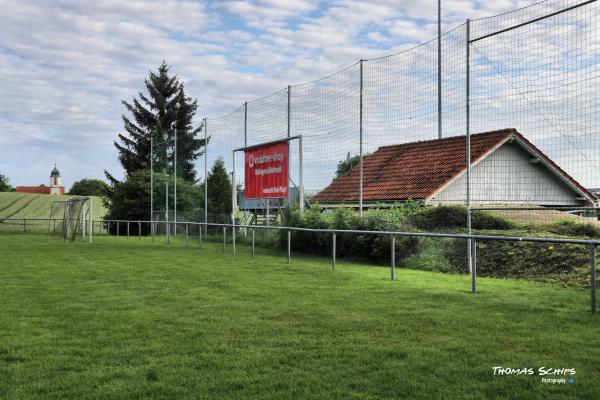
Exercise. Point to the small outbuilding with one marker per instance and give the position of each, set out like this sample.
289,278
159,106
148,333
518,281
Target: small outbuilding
505,169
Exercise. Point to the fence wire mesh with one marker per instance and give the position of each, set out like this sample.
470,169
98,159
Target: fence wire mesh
529,106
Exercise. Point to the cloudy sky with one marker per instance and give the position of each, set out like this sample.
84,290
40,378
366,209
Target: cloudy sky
66,65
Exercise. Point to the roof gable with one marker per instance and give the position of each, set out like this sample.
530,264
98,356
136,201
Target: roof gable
418,170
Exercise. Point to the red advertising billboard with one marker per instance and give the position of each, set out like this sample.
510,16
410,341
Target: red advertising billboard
266,171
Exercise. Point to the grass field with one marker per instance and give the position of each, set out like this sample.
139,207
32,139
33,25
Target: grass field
131,319
26,205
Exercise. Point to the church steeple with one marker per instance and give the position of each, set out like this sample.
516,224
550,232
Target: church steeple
55,186
54,172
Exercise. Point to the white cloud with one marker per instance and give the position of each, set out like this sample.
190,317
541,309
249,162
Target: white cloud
66,65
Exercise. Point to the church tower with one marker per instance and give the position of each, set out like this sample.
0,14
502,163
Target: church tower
55,187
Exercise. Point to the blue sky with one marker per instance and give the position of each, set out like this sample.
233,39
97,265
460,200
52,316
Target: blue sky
66,65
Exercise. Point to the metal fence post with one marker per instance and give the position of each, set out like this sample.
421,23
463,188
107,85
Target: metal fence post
224,236
593,276
474,266
333,251
253,251
199,233
393,256
127,229
24,225
139,230
233,237
118,229
289,246
186,235
108,228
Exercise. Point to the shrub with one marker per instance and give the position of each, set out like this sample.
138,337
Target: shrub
574,228
89,187
455,217
367,247
543,261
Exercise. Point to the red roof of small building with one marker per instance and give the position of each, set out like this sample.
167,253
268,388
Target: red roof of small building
33,189
417,170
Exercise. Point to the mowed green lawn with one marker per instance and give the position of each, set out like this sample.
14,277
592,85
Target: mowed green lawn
27,205
131,319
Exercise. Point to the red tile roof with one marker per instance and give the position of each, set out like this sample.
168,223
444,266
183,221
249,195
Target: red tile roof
33,189
417,170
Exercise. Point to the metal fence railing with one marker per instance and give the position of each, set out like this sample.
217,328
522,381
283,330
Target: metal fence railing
124,228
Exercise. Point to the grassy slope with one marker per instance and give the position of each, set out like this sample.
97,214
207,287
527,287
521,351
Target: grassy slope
25,205
126,319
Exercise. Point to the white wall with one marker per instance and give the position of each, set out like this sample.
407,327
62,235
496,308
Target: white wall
507,177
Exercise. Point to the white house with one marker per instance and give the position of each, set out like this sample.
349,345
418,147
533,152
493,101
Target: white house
505,169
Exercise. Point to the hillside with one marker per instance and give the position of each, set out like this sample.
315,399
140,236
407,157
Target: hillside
25,205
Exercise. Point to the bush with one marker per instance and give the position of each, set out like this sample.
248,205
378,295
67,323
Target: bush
574,228
455,217
368,247
542,261
89,187
130,200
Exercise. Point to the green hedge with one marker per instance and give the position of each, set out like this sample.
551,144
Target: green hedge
540,261
374,248
574,228
564,263
455,217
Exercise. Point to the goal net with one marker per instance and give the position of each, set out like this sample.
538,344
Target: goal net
57,213
68,218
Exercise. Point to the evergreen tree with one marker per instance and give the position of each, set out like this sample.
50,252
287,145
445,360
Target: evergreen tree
188,143
219,190
347,165
159,114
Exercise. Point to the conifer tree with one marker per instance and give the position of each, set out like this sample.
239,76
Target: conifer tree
219,189
160,113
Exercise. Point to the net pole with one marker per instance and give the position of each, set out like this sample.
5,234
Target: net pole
289,94
175,186
245,124
151,185
205,177
439,83
360,153
468,150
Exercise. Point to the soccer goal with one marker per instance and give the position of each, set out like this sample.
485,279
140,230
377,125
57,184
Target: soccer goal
71,217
